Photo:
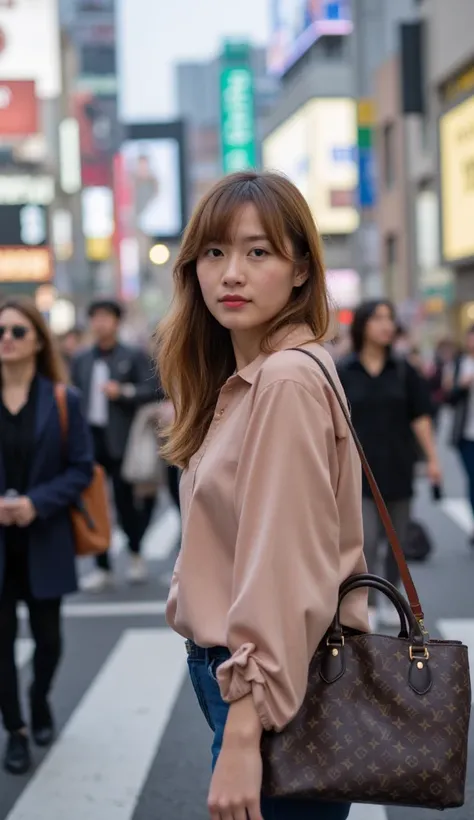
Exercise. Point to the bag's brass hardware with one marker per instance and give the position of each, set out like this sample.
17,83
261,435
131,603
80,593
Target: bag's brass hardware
413,653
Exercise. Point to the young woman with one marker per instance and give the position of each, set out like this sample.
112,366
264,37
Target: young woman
391,412
271,489
40,477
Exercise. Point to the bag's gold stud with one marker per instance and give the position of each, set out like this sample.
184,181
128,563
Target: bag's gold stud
335,652
419,665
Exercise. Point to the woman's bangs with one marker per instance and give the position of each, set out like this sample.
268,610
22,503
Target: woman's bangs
223,207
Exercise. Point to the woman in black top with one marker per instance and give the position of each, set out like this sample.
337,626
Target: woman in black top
391,412
40,477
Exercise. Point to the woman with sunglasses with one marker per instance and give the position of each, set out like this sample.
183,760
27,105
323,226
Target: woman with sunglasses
271,489
41,476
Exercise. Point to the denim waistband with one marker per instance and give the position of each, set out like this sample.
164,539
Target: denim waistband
199,653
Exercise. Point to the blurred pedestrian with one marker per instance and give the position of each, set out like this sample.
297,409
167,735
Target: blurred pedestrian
70,344
462,397
440,375
391,412
271,491
115,379
39,481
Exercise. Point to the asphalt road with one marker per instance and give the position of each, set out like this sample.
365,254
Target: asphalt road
132,742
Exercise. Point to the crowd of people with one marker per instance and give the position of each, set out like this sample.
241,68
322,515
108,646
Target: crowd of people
275,517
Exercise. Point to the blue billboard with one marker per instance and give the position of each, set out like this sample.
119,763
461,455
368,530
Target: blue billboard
297,24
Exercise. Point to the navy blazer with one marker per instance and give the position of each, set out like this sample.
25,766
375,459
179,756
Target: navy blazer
58,475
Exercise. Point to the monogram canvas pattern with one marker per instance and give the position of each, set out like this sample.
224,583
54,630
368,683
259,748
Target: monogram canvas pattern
369,738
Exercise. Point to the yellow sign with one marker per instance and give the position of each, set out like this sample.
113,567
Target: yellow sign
366,112
99,250
457,181
25,265
316,149
462,84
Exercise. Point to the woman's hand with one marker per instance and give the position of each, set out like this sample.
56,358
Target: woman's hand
434,471
22,511
236,784
6,517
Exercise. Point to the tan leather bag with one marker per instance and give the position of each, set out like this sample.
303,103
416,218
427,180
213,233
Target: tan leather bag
90,517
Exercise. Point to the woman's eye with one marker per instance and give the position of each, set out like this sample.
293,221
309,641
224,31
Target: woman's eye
259,252
213,253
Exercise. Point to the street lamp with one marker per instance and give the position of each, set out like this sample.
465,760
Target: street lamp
159,254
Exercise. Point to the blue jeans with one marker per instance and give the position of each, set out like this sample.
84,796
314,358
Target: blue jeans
202,669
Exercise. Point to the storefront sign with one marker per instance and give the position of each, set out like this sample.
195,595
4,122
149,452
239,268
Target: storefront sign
25,265
237,111
457,181
24,188
317,149
18,108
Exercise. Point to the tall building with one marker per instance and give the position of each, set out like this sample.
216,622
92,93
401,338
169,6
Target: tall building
323,129
90,27
425,150
199,105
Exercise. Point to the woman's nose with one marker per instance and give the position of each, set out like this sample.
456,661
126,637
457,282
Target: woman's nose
233,272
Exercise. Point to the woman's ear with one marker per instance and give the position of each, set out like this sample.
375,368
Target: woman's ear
301,273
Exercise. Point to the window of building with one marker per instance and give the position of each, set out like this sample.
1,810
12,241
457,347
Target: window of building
389,154
99,60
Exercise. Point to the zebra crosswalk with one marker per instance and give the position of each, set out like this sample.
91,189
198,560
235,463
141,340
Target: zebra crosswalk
132,744
102,757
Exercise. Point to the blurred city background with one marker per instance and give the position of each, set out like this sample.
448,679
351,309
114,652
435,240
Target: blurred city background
116,116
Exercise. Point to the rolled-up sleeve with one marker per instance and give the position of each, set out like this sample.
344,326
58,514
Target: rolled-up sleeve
286,567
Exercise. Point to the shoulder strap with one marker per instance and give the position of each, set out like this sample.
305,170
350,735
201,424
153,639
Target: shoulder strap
60,394
392,536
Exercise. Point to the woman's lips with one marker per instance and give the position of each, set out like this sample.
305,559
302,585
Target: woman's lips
234,303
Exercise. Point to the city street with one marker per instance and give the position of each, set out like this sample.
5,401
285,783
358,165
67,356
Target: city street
132,743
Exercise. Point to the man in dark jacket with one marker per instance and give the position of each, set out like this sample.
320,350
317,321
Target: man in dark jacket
115,379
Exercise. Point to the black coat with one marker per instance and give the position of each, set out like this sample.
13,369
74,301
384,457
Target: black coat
58,475
128,366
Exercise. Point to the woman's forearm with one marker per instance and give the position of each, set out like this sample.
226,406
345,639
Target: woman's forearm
243,725
423,429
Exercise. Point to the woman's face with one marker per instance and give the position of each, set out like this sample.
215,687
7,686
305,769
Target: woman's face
18,338
244,283
380,328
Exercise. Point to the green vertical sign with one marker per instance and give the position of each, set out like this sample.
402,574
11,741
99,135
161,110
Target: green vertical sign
237,109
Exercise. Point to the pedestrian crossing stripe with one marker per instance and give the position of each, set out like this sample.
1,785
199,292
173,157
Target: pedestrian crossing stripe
23,651
459,510
100,761
111,609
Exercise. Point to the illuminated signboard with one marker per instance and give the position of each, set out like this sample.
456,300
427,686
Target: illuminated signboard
297,24
317,149
457,181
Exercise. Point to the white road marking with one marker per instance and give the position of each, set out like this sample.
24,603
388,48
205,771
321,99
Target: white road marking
459,510
120,609
460,629
23,651
100,762
360,811
161,538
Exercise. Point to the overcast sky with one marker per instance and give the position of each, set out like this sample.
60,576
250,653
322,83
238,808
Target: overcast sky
155,34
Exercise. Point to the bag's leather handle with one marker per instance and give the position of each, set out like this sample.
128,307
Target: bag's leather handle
392,536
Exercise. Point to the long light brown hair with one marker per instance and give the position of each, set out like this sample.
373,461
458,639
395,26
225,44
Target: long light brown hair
195,356
48,359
